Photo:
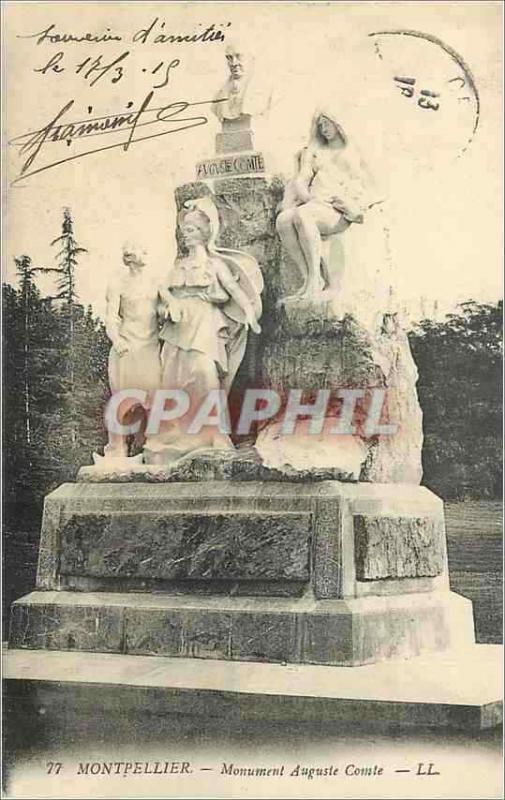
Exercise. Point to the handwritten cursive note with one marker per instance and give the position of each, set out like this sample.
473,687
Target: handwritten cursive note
40,149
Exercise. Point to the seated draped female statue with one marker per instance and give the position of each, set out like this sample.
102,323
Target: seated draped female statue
328,193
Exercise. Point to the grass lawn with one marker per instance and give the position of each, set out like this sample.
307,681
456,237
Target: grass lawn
475,546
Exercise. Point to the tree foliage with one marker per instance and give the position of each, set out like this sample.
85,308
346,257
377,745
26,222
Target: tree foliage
55,377
460,378
48,435
67,261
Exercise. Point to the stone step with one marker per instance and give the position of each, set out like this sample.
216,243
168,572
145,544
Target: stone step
295,630
460,689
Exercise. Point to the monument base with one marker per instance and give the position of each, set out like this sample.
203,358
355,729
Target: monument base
459,689
287,630
326,572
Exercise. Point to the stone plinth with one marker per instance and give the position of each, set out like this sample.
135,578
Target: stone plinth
299,631
235,153
234,141
236,135
322,573
458,689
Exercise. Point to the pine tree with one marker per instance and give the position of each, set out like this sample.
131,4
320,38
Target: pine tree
29,297
67,292
14,449
67,263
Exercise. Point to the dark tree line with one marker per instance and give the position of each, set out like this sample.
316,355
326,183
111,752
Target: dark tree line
54,391
55,384
460,382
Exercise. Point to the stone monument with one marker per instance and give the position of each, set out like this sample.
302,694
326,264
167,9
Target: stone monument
235,105
305,548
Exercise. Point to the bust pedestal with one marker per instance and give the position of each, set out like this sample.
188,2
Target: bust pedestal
235,153
236,135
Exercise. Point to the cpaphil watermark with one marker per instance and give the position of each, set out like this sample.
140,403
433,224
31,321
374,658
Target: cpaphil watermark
343,412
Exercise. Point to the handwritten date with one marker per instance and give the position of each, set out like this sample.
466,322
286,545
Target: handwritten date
94,69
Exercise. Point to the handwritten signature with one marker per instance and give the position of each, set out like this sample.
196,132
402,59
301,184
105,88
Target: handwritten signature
59,130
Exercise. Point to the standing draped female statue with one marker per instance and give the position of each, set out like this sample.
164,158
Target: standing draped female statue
213,297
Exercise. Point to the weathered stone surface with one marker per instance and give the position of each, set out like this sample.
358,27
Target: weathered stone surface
244,464
49,547
170,545
397,547
327,580
272,637
313,349
297,451
163,537
66,627
397,458
328,637
121,534
153,632
206,633
352,631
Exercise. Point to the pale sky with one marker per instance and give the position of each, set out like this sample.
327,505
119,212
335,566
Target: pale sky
445,212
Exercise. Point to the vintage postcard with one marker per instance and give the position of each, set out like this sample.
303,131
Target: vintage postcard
252,412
